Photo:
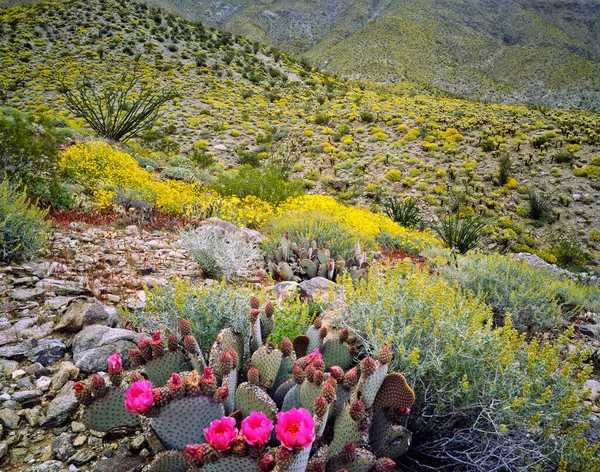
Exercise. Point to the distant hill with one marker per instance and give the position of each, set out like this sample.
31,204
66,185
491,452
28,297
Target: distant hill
541,51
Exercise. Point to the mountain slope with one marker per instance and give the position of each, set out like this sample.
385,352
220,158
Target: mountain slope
547,52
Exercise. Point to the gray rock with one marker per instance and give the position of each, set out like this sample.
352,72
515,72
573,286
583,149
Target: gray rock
82,457
56,303
220,227
9,418
594,387
7,337
48,466
82,312
120,464
47,352
62,448
92,346
32,415
61,287
26,395
61,409
26,294
310,289
3,449
286,290
7,367
592,433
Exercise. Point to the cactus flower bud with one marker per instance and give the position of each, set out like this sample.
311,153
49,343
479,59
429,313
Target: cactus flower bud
353,350
235,359
253,315
266,462
310,373
269,309
98,385
221,394
226,362
286,347
321,405
115,364
298,374
190,344
368,366
136,357
348,453
351,379
145,348
336,372
172,342
344,335
194,453
318,377
323,333
384,465
357,410
175,382
385,355
317,466
317,323
284,455
318,364
209,382
157,338
254,302
253,375
329,390
83,393
185,328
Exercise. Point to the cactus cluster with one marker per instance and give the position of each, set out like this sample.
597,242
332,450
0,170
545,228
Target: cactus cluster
295,262
330,412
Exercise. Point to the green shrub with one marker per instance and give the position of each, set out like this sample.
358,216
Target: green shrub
178,173
318,226
23,230
533,298
563,157
26,154
476,387
504,169
567,249
461,234
266,183
210,308
404,211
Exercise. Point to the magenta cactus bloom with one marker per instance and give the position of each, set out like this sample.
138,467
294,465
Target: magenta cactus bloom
257,428
139,398
115,364
221,433
313,356
295,428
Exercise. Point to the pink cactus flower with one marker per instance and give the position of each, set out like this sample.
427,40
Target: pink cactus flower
295,428
115,364
139,398
157,338
175,382
221,433
257,428
313,356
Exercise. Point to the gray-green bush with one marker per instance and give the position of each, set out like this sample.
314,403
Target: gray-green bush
23,231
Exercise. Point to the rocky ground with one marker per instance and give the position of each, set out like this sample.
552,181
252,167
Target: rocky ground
61,317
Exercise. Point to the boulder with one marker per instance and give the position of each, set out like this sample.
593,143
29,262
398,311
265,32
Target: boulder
94,344
61,408
47,351
82,312
120,464
223,228
317,286
62,448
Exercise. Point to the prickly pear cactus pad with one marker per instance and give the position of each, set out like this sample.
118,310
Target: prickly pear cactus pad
108,413
159,369
394,393
267,361
232,464
168,461
336,352
182,421
249,398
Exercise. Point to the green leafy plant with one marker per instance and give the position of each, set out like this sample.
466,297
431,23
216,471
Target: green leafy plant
567,249
459,234
504,169
23,231
404,211
540,205
266,183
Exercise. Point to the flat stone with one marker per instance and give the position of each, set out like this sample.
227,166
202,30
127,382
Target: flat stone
66,372
594,389
80,440
82,457
77,427
56,303
7,337
120,464
61,287
92,346
48,466
61,409
83,313
26,294
43,383
26,395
